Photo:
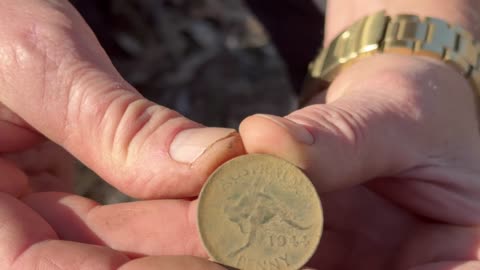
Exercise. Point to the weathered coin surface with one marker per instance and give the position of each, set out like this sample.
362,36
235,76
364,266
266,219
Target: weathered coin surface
259,212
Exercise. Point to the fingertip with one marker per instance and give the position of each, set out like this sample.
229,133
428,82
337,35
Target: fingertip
13,180
190,144
295,130
218,153
277,136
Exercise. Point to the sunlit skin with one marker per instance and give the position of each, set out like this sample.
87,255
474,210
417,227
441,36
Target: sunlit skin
394,155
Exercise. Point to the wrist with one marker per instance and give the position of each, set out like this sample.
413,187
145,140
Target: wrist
343,13
392,75
397,33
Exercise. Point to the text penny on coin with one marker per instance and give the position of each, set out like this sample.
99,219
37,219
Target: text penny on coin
259,212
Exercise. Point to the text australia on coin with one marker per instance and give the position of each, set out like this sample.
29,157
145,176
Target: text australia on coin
258,212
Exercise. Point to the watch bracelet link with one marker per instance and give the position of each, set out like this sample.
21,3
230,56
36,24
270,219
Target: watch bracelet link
401,34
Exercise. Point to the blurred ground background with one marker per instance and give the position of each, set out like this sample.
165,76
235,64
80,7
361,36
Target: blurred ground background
208,59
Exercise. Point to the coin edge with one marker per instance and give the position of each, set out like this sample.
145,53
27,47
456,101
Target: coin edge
205,186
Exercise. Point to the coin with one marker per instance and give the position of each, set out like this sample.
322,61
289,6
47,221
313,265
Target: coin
259,212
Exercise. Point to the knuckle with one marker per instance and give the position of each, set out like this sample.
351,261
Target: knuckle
341,125
96,114
138,121
124,126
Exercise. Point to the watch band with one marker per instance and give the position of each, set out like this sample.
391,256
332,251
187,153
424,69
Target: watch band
401,34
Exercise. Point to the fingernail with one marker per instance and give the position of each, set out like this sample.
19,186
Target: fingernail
298,132
190,144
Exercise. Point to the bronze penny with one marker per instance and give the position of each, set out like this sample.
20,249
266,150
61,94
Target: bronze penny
259,212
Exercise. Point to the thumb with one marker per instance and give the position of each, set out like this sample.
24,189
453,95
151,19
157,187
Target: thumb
337,144
57,78
385,115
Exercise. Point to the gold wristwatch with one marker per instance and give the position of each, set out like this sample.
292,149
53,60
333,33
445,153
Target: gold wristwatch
403,34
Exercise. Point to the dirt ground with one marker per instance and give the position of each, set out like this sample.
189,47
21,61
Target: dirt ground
208,59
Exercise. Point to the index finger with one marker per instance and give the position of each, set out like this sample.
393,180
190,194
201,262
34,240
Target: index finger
23,246
157,227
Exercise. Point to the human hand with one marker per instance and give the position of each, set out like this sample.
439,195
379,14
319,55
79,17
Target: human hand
50,230
58,84
394,154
